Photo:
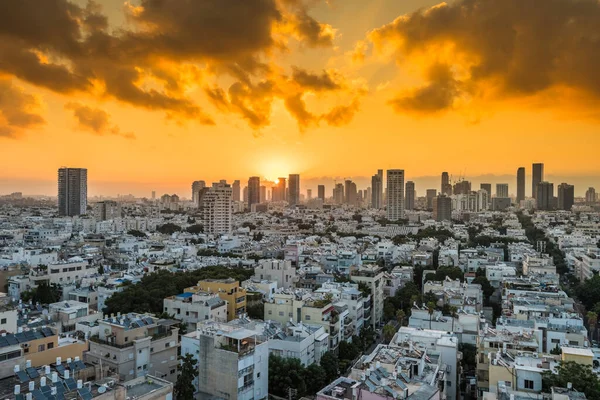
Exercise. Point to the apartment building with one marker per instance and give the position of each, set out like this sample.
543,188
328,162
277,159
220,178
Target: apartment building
62,272
373,277
228,290
192,308
134,345
233,363
305,342
280,271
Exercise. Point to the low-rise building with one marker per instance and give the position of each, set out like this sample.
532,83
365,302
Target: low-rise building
192,308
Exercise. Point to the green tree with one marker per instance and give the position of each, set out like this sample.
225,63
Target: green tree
184,387
168,228
400,314
430,310
314,376
592,318
286,373
195,229
388,333
580,376
136,233
330,364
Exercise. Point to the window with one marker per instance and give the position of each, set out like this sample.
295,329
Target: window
151,349
528,384
50,345
127,338
3,321
281,313
307,317
26,350
172,371
555,341
41,347
139,351
258,375
270,312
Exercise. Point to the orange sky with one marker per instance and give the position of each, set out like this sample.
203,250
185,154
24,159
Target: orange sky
425,96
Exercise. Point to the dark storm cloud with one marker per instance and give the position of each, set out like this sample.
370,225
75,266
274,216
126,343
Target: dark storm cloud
314,82
18,110
510,48
95,120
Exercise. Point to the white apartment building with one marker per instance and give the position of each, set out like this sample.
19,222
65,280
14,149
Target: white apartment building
305,342
62,272
193,308
233,363
280,271
539,264
215,206
8,314
373,277
348,294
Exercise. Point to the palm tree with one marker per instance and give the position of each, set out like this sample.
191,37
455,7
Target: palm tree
388,332
453,315
592,318
430,309
400,316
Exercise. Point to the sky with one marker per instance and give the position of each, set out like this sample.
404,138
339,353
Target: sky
154,94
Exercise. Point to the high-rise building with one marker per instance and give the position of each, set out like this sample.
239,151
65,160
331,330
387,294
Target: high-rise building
368,196
350,193
376,191
381,191
446,186
462,187
395,194
338,193
107,210
520,185
537,176
294,189
253,191
487,187
545,196
590,195
482,201
566,196
279,190
72,191
409,201
215,206
321,192
502,190
197,186
154,195
309,194
442,208
263,194
236,190
245,194
431,194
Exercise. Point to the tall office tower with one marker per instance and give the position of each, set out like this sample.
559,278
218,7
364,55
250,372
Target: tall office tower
294,188
215,206
545,196
263,194
236,190
442,208
463,187
446,186
253,191
566,196
536,178
376,192
107,210
338,193
154,195
431,194
321,192
409,202
308,194
502,190
520,185
395,194
72,191
482,201
279,191
590,195
350,191
196,187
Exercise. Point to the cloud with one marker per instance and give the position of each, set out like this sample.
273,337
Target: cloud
164,51
495,50
325,81
95,120
18,110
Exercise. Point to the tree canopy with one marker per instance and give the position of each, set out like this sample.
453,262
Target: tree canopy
168,228
580,376
184,387
195,229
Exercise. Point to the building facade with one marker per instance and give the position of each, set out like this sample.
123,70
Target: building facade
395,194
72,191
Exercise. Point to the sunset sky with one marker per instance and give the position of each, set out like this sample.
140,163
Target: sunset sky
153,94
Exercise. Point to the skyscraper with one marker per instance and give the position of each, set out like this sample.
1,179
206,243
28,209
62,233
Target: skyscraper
350,193
338,193
502,190
463,187
409,202
381,192
395,194
442,208
253,191
72,191
294,185
545,196
520,185
446,186
215,208
308,194
536,178
321,192
236,191
487,187
590,195
279,190
196,187
376,191
566,196
431,194
263,194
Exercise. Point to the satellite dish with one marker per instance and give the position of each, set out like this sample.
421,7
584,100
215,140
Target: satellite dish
102,389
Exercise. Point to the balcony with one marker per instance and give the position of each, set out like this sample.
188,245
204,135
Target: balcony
96,339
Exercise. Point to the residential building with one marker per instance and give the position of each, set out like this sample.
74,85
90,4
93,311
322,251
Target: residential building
306,342
338,193
216,209
192,308
279,190
197,186
566,196
442,208
395,194
537,178
373,276
133,345
107,210
409,202
590,195
545,196
462,187
502,190
446,186
321,192
253,191
294,189
72,191
233,362
350,197
236,191
62,272
280,271
376,191
228,290
431,194
520,185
